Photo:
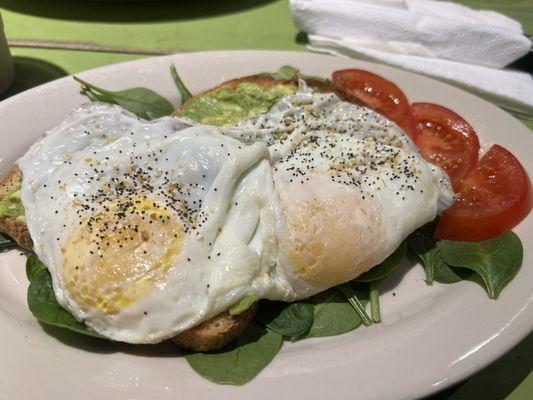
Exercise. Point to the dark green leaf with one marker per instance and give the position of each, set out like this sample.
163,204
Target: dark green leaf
333,315
427,252
350,295
144,103
242,361
385,268
184,92
496,260
94,96
33,266
287,319
42,301
6,242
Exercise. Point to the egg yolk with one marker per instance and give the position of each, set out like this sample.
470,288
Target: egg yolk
118,256
327,239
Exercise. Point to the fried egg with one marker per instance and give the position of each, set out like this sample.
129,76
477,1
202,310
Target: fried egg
350,187
150,227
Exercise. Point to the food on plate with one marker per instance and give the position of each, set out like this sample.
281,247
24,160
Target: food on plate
216,332
446,139
238,99
492,199
11,210
235,100
266,193
378,93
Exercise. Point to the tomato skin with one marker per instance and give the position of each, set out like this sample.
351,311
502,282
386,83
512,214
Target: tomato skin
446,139
371,90
494,198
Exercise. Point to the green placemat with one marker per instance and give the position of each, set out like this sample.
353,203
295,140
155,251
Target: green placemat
174,26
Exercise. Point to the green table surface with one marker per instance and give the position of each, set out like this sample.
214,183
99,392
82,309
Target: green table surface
109,32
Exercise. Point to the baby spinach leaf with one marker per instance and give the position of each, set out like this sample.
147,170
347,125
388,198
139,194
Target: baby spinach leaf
496,260
348,292
33,266
427,251
42,301
144,103
184,92
241,361
6,242
386,267
333,315
287,319
243,304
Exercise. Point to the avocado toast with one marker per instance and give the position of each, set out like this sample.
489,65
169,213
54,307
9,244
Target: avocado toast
226,104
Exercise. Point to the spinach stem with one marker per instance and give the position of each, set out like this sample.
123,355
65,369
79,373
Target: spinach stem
348,292
374,302
184,92
86,85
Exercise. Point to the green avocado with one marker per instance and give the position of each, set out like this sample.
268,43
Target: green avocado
11,206
229,106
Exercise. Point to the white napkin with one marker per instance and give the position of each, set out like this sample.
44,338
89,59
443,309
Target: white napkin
444,40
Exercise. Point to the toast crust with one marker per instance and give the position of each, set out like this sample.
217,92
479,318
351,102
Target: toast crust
216,332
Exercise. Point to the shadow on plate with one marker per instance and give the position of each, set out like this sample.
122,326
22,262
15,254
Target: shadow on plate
117,11
101,346
391,282
31,72
79,341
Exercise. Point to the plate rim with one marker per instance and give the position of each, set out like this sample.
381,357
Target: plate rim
478,364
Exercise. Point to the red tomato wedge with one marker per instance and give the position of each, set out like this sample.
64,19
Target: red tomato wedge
446,139
494,197
371,90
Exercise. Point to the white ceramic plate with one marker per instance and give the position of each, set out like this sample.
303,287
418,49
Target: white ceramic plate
430,337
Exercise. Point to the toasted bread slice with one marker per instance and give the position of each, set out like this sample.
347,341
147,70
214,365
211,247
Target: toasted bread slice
13,226
216,332
260,80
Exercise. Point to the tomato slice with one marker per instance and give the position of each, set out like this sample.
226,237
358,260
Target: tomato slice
371,90
494,197
446,139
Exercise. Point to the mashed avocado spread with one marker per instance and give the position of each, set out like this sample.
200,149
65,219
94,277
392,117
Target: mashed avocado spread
229,106
11,206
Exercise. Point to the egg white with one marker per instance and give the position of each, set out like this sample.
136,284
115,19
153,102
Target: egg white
223,256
